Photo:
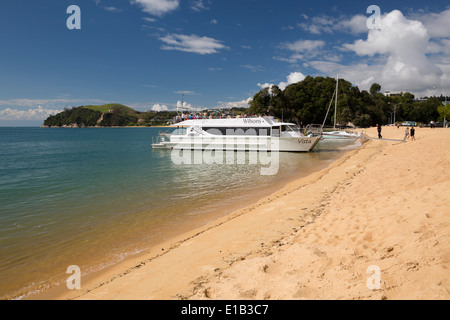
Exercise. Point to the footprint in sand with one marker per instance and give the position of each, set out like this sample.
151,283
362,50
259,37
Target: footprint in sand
368,237
305,293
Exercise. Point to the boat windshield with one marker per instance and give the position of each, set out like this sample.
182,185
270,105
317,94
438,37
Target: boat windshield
180,131
289,128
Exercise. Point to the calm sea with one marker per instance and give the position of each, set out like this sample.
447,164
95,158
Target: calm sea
91,197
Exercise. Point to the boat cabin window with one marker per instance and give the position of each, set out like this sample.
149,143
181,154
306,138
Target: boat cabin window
276,131
238,131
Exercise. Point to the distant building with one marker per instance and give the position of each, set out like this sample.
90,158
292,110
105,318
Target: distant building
393,94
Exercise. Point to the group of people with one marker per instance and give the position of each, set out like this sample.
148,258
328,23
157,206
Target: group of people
206,115
409,133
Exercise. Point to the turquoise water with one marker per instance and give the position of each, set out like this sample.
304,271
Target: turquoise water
91,197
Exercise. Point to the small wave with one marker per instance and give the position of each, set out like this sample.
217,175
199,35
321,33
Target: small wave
352,146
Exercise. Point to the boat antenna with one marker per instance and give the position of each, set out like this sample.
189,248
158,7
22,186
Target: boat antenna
182,101
182,104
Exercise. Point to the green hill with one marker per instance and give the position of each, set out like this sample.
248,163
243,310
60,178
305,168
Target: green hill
109,107
107,115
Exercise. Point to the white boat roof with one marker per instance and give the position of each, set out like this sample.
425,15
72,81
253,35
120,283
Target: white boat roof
233,122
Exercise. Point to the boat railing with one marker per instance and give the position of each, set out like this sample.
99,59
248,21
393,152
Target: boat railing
158,139
313,130
165,134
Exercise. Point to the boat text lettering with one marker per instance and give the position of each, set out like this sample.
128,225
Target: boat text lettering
252,120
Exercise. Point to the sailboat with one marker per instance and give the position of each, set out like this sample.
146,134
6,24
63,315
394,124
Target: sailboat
338,134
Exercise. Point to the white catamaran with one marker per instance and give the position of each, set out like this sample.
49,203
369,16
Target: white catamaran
338,134
238,134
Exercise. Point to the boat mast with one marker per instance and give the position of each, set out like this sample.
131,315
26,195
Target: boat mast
182,100
335,104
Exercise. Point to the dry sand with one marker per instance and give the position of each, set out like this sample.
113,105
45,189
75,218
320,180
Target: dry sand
385,205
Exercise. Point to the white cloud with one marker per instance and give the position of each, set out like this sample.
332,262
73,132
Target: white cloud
318,25
234,104
303,45
402,45
191,43
437,24
302,49
38,113
253,68
408,54
112,9
148,19
266,85
360,74
157,7
184,106
397,35
187,92
158,107
40,109
327,24
292,59
199,5
50,103
355,25
292,78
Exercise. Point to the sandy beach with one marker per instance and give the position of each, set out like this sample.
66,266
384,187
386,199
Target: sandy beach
385,205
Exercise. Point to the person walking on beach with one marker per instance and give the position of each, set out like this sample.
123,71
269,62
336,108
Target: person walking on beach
412,133
379,131
406,133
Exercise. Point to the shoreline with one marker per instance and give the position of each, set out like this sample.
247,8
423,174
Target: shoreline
307,241
47,127
224,212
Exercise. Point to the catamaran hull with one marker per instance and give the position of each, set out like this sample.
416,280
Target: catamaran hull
341,135
291,144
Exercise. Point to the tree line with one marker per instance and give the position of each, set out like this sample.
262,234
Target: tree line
308,101
118,116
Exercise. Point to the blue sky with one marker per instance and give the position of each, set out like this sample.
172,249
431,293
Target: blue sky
144,53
